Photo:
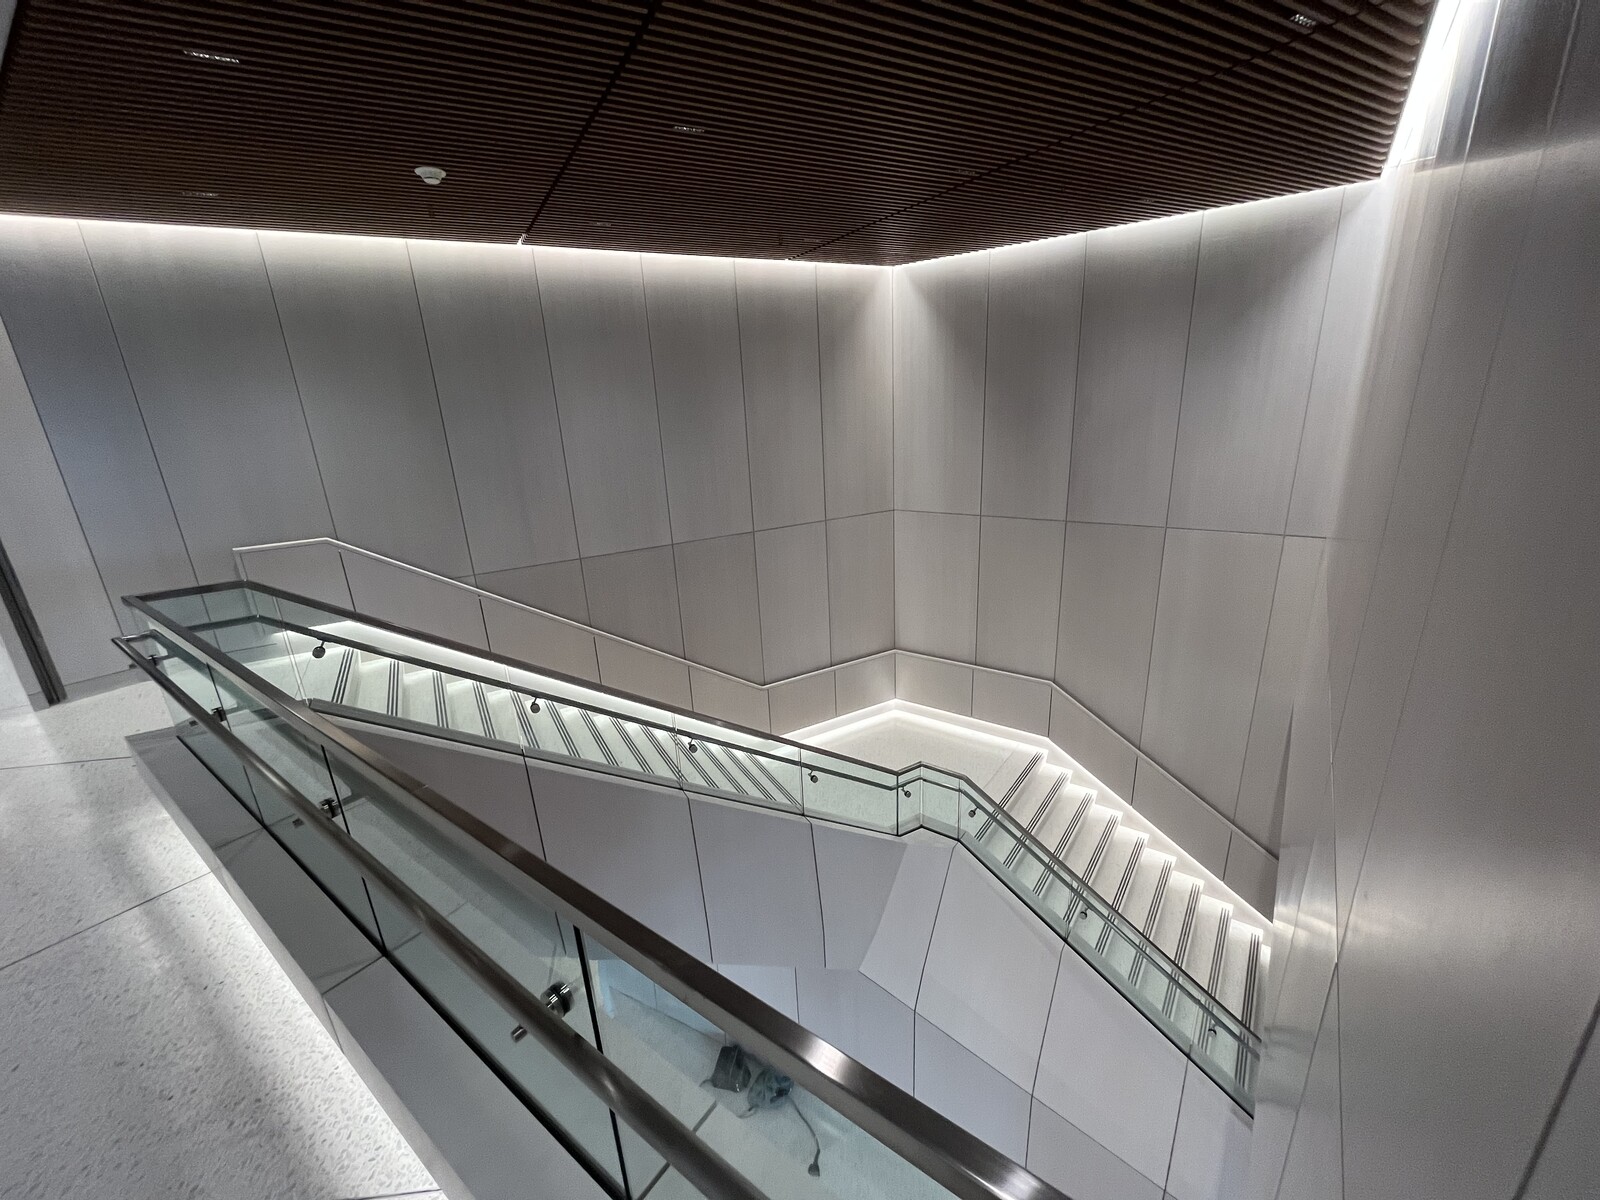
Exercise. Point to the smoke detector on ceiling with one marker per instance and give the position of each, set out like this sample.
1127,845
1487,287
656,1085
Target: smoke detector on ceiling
432,176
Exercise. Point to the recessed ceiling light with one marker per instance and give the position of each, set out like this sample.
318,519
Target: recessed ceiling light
432,176
601,224
206,56
1302,20
200,195
688,129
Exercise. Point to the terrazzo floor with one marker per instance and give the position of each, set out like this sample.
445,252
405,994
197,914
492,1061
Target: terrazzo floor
150,1047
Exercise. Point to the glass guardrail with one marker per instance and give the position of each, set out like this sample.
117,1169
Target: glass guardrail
347,663
616,1040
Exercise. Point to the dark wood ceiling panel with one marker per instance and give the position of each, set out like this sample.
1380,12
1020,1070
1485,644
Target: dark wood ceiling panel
871,132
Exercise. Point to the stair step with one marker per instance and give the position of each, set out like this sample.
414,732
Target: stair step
1236,976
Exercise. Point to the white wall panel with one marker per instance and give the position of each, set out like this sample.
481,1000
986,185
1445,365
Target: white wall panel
486,339
798,703
1251,872
1106,1069
536,639
1342,345
936,584
937,684
1063,1155
631,842
792,570
729,700
848,1010
635,595
1211,628
1019,593
855,872
1181,815
1138,294
594,314
861,585
1211,1150
855,333
1007,700
643,673
1263,278
694,346
316,572
759,874
717,598
554,587
1100,750
865,683
898,950
44,541
1030,375
1259,809
349,312
429,606
990,971
774,986
492,785
199,335
63,340
952,1080
940,316
782,390
1111,575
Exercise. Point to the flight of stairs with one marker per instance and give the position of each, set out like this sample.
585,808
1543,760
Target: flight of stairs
1196,930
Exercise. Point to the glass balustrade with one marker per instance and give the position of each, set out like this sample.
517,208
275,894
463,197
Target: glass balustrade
358,667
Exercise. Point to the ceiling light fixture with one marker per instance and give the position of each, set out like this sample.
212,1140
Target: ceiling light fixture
432,176
688,129
200,195
204,56
1303,21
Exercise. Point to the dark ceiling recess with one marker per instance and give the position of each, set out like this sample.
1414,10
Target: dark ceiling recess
875,133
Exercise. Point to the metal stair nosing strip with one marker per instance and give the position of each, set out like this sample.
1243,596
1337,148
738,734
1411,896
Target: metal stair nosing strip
716,758
1181,949
482,698
626,731
1065,840
562,731
691,753
1247,1005
761,765
1219,950
1093,865
1037,817
391,696
666,754
1011,792
593,727
1153,914
441,702
742,760
1124,884
525,722
341,679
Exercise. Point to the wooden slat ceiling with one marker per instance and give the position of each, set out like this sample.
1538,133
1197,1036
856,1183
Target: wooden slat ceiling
876,133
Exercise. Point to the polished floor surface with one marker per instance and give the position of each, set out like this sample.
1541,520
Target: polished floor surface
150,1048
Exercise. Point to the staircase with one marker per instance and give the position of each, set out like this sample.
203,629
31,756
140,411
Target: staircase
1198,931
1069,823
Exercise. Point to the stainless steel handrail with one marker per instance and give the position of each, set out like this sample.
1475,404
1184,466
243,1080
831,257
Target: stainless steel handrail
642,1112
478,652
940,1149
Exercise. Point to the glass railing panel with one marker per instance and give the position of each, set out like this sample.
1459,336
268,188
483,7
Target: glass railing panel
942,801
523,937
776,1134
851,793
